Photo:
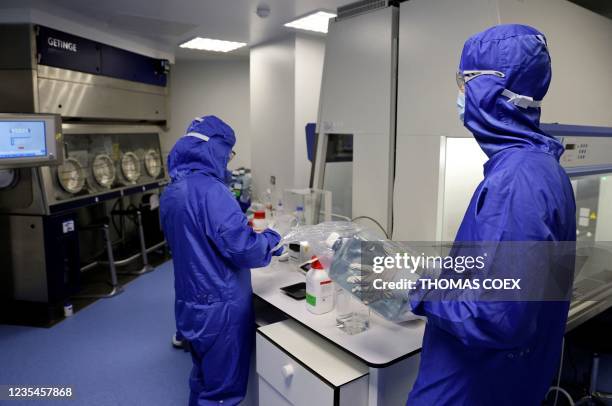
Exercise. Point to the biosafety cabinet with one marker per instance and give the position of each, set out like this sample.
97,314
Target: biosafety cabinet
390,145
357,111
388,128
438,164
113,106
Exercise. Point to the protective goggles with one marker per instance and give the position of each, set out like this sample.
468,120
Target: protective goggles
519,100
465,76
206,138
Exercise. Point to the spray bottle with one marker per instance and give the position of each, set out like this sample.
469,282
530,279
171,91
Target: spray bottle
319,289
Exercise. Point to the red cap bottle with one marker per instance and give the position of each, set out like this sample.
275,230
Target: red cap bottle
316,264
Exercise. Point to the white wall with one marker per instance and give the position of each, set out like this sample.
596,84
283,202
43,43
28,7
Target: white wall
272,114
267,100
580,45
285,83
219,87
309,56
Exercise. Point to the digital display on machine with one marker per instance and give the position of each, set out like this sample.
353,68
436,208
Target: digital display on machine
22,139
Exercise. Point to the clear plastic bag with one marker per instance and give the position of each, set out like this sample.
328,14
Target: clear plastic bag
350,272
317,237
283,224
338,245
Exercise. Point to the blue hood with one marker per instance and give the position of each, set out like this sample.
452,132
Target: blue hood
192,154
520,52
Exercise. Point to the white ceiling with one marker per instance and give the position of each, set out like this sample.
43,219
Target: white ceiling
170,22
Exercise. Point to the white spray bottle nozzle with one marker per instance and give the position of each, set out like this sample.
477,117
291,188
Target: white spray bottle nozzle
331,240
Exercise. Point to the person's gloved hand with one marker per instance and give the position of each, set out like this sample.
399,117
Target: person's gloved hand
274,240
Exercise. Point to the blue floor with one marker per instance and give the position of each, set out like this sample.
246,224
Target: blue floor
114,352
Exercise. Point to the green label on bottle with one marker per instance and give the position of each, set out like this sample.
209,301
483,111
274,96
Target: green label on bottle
311,300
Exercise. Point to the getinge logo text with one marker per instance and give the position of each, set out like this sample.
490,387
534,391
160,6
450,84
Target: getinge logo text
58,43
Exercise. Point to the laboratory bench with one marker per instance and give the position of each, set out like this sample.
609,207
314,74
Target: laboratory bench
306,358
302,357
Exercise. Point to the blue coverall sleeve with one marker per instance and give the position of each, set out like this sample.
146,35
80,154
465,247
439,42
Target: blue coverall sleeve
495,325
507,210
232,235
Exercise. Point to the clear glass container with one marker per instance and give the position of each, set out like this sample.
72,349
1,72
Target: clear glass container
357,278
316,204
352,316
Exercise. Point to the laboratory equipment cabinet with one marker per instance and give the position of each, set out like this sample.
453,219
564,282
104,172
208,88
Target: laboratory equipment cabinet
112,104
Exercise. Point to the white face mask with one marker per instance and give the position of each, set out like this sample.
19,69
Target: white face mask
461,106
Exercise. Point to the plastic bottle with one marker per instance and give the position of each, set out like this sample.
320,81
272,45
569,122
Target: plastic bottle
68,309
299,215
271,198
259,221
268,202
246,182
237,190
280,209
319,289
246,186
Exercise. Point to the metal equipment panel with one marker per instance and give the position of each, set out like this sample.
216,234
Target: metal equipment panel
16,42
71,52
358,98
77,94
19,91
357,91
77,183
26,257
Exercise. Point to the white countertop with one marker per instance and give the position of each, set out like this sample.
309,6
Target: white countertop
382,344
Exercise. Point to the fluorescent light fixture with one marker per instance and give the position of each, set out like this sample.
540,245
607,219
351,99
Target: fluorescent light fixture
208,44
316,21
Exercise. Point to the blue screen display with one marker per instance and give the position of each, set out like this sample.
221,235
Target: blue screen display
22,139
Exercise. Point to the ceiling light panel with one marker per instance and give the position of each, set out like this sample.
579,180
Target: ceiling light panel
316,21
214,45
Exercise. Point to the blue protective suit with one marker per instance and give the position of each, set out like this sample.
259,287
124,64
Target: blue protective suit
502,353
213,249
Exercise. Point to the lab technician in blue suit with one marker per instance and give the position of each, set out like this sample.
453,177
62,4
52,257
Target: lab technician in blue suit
213,249
502,353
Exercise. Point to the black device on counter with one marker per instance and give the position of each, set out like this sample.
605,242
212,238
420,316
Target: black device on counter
306,266
296,291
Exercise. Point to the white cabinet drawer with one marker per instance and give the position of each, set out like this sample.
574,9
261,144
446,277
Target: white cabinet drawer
293,381
298,367
268,395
